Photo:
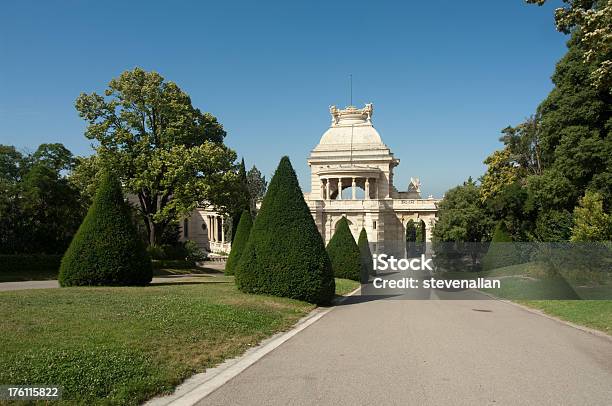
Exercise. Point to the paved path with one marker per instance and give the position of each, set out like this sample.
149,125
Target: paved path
436,352
10,286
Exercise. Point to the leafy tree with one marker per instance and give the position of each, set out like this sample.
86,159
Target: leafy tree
285,255
39,209
463,221
106,249
462,216
367,267
257,187
592,223
85,176
575,127
168,154
553,226
593,19
523,150
242,237
56,157
344,253
501,173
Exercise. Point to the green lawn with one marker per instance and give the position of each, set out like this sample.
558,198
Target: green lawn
123,345
345,286
596,314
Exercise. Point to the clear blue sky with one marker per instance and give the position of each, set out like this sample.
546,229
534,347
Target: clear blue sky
444,76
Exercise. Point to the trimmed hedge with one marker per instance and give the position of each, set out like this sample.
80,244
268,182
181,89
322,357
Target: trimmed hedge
367,268
106,250
344,253
285,255
240,241
30,262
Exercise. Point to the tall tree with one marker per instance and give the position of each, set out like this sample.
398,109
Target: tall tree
285,254
592,223
39,209
168,154
462,216
593,18
257,187
241,200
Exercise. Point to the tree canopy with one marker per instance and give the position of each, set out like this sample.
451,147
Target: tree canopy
167,153
39,208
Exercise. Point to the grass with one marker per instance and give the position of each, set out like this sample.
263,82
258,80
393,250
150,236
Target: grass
596,314
125,345
345,286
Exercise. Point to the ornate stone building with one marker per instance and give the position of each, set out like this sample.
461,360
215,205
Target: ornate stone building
352,176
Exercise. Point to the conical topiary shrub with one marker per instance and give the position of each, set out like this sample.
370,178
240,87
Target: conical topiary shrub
285,255
240,240
367,268
106,250
344,253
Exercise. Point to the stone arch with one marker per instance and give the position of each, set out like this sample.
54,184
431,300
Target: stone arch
352,226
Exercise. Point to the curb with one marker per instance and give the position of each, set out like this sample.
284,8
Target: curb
197,387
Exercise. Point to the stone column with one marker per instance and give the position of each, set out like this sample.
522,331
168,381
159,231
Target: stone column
211,228
327,189
353,189
339,197
322,189
222,231
367,188
215,228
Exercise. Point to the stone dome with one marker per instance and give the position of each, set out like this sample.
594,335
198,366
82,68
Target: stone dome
351,122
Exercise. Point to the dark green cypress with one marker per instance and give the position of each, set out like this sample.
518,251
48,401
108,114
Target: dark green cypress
285,255
106,250
344,253
367,268
240,240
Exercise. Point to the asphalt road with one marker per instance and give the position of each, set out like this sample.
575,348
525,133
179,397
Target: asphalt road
429,352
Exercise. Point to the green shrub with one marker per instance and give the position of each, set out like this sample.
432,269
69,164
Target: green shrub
367,268
193,253
285,255
344,253
502,251
240,240
106,249
30,263
156,252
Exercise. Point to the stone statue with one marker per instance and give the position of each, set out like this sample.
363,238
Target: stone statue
368,110
335,114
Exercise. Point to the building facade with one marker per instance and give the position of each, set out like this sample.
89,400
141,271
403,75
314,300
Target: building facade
352,176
